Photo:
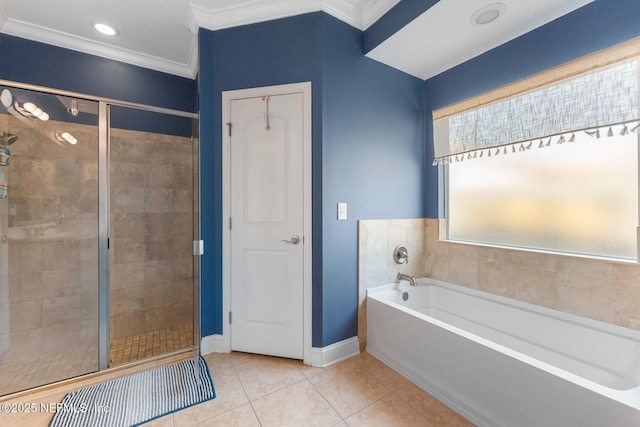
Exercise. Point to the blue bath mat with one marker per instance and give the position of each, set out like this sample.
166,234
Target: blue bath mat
138,398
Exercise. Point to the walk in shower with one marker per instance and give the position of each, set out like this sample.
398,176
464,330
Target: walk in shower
151,229
96,234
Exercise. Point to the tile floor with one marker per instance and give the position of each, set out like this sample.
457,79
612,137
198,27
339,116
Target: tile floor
143,346
267,391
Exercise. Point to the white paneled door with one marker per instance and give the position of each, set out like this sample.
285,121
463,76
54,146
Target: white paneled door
267,224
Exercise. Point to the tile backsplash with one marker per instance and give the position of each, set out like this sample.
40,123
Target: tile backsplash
377,240
601,290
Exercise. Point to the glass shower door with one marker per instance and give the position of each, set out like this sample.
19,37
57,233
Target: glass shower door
48,238
151,234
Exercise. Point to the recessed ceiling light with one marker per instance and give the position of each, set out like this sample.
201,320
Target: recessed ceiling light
487,14
105,29
6,98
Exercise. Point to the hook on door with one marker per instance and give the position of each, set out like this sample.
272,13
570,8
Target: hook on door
266,115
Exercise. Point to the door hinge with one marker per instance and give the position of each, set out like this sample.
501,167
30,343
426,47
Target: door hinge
229,127
108,243
229,317
198,247
230,226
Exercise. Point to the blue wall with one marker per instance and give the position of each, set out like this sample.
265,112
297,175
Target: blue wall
264,54
368,129
373,159
595,26
26,61
367,148
41,64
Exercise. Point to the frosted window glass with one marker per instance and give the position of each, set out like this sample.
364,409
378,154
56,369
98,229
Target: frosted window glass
579,197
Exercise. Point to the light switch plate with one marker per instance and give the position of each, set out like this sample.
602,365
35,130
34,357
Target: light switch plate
342,211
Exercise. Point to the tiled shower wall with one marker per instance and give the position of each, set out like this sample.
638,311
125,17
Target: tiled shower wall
49,302
600,290
151,229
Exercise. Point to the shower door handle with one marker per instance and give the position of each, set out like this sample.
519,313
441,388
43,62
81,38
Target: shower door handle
294,240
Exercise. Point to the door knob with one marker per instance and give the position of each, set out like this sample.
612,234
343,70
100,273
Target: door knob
294,240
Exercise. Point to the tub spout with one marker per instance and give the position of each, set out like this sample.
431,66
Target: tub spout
410,279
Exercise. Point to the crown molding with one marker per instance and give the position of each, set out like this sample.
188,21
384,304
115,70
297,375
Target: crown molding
344,11
194,58
375,10
58,38
266,10
247,13
197,16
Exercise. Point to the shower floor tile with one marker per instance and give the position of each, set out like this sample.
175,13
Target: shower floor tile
31,372
142,346
37,370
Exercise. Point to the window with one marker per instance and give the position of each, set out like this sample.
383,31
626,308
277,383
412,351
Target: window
552,165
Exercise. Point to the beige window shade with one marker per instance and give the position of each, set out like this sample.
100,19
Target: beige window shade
597,91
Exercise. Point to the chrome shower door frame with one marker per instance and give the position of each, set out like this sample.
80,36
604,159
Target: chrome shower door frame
104,105
103,236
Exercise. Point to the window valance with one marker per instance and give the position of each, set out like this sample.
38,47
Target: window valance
596,92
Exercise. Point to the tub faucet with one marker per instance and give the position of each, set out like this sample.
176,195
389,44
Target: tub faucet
410,279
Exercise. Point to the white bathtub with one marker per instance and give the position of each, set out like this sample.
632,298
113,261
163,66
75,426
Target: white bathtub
501,362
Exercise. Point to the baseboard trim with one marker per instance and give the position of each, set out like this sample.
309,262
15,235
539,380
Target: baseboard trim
213,344
322,357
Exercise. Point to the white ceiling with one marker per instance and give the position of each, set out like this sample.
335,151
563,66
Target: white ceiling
161,34
444,36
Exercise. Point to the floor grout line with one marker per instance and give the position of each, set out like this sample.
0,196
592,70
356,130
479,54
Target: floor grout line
50,368
255,413
370,404
354,370
241,385
326,400
148,344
